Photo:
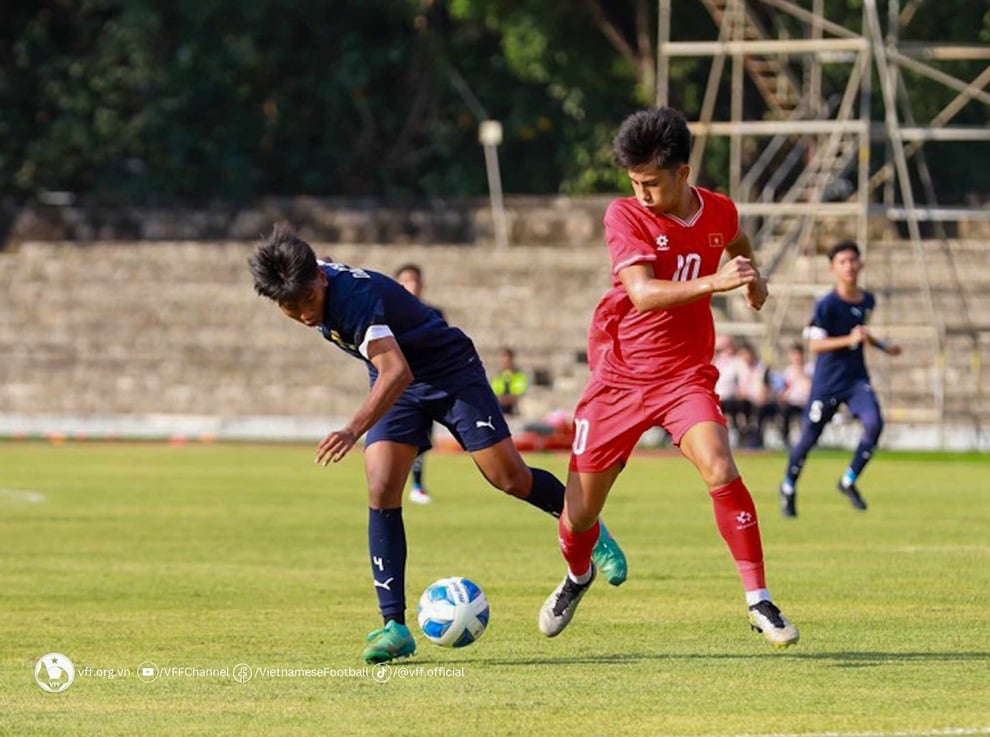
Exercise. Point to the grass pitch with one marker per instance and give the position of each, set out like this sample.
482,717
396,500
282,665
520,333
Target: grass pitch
203,558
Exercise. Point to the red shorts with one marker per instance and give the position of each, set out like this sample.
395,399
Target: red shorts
609,420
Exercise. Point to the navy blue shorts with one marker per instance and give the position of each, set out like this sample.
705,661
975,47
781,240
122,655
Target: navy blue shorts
471,413
860,399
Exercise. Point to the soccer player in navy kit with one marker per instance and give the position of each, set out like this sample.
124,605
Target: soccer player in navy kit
838,334
421,370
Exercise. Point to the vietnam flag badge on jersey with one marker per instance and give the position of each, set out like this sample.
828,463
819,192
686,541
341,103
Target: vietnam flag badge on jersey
716,240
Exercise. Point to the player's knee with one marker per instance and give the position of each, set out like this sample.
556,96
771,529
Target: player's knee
581,517
718,470
384,493
872,427
512,481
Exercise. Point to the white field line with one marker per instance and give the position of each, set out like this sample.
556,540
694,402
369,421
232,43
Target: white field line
14,496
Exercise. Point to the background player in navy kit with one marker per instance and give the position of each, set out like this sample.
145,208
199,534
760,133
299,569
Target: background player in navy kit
837,334
411,277
421,370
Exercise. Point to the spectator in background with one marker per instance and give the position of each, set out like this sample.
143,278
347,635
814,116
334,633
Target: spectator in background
795,389
755,397
727,387
510,384
411,277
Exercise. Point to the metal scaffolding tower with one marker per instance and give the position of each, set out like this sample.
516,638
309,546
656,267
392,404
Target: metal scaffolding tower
807,157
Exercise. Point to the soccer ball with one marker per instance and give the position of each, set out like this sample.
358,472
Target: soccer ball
453,612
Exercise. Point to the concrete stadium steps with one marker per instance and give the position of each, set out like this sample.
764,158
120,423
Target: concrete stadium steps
176,327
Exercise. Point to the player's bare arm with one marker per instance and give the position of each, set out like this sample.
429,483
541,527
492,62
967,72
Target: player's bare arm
394,377
756,290
647,293
891,349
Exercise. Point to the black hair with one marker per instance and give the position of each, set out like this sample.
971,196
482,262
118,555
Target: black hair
846,245
283,266
655,136
414,268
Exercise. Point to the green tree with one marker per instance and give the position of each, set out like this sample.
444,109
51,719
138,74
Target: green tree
214,99
591,65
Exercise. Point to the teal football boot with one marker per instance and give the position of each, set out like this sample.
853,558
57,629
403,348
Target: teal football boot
609,558
392,641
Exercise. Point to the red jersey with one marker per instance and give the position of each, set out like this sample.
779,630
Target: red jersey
630,348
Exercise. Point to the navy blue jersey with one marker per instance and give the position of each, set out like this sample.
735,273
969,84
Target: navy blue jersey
438,310
362,306
836,372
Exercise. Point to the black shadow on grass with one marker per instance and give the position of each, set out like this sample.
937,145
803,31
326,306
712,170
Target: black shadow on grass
868,659
602,659
841,660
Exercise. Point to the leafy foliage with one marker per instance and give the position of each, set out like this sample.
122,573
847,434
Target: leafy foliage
136,100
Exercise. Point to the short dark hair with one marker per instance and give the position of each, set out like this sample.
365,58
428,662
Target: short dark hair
846,245
414,268
655,136
283,265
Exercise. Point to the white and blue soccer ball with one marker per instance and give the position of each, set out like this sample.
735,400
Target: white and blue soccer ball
453,612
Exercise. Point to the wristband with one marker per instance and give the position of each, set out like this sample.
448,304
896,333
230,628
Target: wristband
881,345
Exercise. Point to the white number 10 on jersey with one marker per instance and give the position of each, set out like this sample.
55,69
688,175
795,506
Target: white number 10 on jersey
688,267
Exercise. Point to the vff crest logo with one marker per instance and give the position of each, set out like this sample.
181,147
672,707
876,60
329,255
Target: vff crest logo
54,672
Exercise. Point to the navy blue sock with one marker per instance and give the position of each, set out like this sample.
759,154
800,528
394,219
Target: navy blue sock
799,453
387,545
867,445
547,492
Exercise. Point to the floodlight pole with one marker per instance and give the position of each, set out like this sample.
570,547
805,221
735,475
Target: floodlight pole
490,136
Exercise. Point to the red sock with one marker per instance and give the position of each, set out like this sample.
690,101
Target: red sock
735,515
577,546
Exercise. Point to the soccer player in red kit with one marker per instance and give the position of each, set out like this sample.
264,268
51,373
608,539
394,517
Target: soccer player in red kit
650,348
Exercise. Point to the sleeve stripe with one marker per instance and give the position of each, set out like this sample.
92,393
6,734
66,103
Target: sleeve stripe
636,259
374,332
813,332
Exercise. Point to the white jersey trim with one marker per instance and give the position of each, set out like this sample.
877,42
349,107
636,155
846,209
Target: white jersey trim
813,332
694,218
375,332
637,259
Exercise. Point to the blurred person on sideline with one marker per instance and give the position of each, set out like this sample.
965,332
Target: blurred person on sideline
756,396
730,369
510,384
411,277
795,389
